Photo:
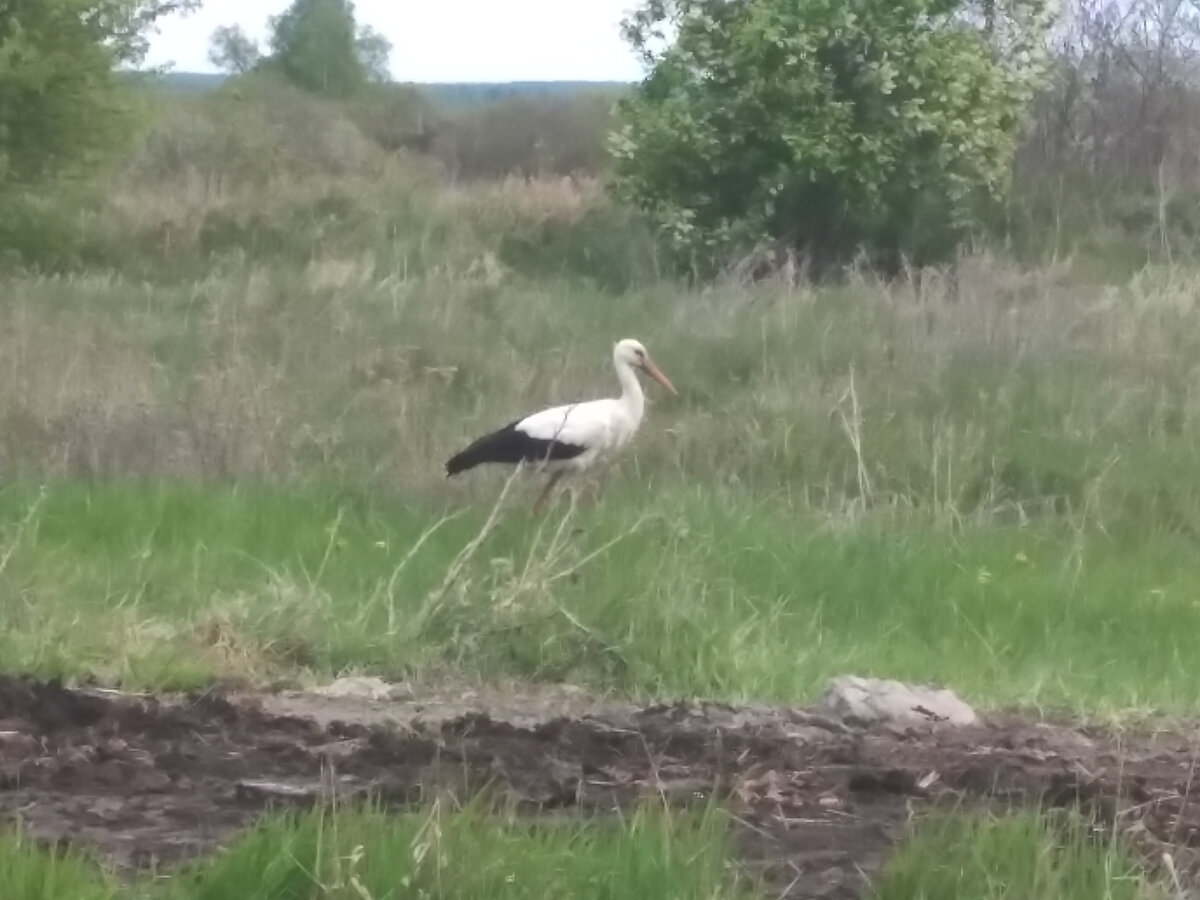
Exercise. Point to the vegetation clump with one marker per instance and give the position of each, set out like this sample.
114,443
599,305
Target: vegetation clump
825,127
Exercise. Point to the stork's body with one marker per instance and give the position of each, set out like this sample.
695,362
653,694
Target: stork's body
574,438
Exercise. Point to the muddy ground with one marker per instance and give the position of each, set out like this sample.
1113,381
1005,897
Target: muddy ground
816,802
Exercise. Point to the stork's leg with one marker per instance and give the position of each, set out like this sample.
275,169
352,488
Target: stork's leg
599,482
540,504
589,492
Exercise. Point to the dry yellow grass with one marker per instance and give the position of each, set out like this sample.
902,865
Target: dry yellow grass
561,199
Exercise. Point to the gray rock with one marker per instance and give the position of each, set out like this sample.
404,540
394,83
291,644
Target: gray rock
881,700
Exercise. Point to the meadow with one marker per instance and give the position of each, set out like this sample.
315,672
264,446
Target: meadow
232,379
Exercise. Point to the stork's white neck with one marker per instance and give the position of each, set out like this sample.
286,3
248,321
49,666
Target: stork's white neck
632,397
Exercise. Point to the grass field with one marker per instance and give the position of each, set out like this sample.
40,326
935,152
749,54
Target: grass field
222,431
366,855
241,478
168,585
362,853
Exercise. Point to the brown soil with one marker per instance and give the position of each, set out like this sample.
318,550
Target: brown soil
817,802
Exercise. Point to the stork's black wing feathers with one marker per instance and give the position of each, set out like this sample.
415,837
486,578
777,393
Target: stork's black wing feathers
510,445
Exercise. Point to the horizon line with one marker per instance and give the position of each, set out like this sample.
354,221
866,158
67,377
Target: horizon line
223,75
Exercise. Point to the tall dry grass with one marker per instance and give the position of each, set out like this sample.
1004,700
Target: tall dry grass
265,293
984,392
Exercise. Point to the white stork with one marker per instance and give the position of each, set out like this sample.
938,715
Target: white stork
571,438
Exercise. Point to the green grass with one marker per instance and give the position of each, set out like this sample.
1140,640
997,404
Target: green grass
471,854
30,871
364,854
1021,857
710,593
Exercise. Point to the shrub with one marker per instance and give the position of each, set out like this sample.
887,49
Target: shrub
825,127
608,246
395,117
252,129
527,136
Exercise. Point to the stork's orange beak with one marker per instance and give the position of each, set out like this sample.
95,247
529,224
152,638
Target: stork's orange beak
654,372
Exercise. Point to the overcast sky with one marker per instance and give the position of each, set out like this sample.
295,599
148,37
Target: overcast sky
445,40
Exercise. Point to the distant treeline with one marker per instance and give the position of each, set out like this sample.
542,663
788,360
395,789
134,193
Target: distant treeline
467,93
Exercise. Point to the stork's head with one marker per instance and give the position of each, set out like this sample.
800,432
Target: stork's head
631,353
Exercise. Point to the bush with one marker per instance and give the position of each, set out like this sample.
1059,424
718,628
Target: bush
63,106
608,246
250,130
257,169
50,228
527,136
1108,227
825,127
395,117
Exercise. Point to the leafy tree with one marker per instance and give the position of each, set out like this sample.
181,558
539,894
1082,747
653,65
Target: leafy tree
316,45
232,50
825,126
375,54
61,98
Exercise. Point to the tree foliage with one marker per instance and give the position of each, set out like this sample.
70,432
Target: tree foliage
232,50
61,99
316,45
313,45
825,126
375,53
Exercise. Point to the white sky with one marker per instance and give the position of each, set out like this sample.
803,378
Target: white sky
444,40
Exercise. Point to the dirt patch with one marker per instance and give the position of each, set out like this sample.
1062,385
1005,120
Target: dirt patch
369,701
817,802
